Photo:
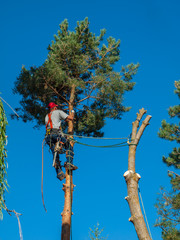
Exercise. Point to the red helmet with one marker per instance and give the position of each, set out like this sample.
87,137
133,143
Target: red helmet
52,105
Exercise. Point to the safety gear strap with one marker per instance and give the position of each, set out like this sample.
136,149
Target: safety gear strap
49,121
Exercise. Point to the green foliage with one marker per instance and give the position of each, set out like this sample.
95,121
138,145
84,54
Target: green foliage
168,204
3,155
82,61
96,233
171,132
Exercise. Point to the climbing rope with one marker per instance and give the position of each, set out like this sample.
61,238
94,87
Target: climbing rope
123,144
101,138
144,211
70,173
42,175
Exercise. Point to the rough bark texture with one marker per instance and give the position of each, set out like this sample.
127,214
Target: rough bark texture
132,178
68,186
67,212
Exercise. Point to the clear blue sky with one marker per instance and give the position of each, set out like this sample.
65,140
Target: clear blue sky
149,33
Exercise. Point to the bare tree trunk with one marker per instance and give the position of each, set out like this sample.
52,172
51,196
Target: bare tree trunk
132,178
68,186
67,212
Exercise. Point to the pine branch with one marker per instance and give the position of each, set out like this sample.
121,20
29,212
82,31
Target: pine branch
85,27
55,91
100,58
174,173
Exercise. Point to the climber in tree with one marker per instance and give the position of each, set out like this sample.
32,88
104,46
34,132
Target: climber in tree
56,140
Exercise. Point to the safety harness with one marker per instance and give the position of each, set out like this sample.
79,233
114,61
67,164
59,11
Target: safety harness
59,144
48,130
49,122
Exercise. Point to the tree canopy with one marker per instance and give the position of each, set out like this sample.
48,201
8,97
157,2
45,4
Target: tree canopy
79,73
168,205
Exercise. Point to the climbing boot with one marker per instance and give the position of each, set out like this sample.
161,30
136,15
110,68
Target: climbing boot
70,166
61,176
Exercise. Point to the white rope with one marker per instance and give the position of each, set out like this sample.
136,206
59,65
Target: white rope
144,212
94,137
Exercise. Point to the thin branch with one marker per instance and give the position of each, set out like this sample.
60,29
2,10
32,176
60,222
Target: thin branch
100,59
17,216
174,173
88,95
163,229
83,30
97,97
56,92
78,108
10,107
11,211
92,89
171,219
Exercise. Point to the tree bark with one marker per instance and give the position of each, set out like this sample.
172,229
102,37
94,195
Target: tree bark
68,187
67,212
132,178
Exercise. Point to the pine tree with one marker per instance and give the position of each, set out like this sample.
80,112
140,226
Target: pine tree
168,204
79,75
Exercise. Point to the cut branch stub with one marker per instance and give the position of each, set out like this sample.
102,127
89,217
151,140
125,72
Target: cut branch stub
136,122
130,174
140,114
135,138
145,123
136,218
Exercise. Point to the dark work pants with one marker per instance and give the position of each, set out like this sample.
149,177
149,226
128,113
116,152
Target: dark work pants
51,139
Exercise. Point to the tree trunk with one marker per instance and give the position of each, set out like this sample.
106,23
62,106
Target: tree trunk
68,186
67,212
132,178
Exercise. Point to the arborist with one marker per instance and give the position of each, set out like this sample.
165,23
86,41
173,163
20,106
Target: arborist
57,141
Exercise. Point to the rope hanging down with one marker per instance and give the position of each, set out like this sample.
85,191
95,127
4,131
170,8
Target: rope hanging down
70,173
42,175
144,211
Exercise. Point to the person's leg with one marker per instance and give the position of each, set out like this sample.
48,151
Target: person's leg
59,172
69,156
56,160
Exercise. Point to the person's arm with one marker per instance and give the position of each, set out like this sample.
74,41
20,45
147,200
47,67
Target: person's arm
46,119
70,117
